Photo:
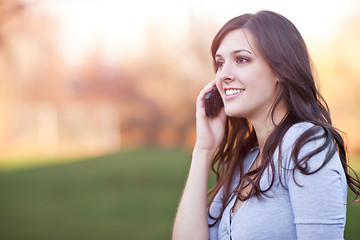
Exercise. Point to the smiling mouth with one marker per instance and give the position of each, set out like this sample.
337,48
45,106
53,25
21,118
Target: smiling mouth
233,91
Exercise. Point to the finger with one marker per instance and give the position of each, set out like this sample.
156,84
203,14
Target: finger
222,115
200,102
207,88
204,91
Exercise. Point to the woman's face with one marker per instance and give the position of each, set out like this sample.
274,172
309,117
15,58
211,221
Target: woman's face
245,81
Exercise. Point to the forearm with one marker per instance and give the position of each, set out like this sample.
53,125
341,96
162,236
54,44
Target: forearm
191,218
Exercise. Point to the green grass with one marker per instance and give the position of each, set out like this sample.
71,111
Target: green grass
127,195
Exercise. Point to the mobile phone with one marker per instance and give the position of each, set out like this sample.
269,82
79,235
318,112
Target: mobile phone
213,102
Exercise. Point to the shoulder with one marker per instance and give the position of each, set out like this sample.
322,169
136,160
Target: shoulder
302,142
308,148
299,129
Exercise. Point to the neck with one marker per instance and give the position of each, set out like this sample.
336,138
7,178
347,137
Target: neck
264,127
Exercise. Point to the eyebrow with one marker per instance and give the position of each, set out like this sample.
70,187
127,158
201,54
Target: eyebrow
236,51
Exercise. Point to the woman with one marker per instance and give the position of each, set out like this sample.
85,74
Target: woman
281,166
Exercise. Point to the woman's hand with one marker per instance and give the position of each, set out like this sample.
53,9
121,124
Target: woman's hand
209,130
191,218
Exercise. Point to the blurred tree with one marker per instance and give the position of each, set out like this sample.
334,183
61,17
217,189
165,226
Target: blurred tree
30,70
9,9
171,73
340,75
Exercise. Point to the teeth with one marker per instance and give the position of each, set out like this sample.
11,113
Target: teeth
233,91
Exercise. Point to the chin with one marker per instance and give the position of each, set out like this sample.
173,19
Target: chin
233,113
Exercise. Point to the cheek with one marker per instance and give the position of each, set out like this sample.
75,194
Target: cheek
219,86
265,80
263,87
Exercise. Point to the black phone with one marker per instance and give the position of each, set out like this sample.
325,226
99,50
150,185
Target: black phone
213,102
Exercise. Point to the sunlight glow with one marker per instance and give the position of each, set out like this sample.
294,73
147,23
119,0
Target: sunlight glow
115,25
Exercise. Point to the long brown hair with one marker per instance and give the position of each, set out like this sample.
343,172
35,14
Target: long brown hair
284,49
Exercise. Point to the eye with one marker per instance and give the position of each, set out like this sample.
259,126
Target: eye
219,63
242,60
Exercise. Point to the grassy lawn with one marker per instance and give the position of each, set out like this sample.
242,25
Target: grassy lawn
128,195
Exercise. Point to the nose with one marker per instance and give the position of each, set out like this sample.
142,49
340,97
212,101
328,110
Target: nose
226,73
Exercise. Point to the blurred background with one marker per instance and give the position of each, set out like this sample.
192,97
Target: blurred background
97,98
